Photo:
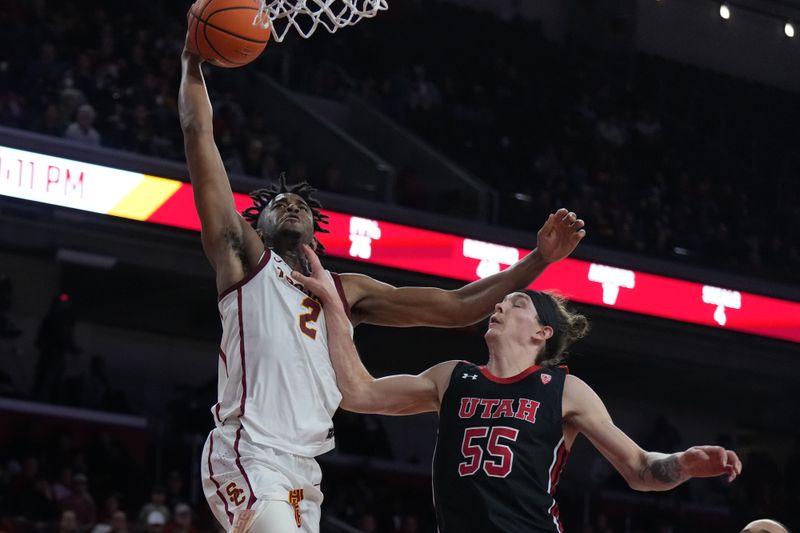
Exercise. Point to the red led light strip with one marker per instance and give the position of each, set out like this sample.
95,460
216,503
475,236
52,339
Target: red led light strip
441,254
78,185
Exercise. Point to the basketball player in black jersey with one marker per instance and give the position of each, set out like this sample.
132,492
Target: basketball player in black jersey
505,429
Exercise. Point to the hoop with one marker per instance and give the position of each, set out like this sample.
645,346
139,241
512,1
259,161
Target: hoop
305,15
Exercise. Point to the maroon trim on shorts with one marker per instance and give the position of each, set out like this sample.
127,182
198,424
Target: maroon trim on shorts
238,285
340,289
513,379
242,351
214,481
216,410
224,360
252,499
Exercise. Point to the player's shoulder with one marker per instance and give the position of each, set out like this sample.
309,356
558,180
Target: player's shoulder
440,375
359,289
443,369
578,393
359,285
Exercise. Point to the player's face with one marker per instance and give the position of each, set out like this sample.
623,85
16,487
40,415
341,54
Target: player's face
287,214
514,317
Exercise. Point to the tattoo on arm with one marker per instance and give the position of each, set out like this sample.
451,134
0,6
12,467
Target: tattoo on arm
665,470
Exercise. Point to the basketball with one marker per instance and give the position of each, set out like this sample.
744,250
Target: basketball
224,32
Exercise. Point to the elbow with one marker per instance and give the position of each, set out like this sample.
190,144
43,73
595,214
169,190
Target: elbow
637,484
356,398
634,474
195,129
356,404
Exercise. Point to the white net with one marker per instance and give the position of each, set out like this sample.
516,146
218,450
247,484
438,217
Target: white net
306,15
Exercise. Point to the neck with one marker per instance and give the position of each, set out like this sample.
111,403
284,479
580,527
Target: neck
294,257
288,247
507,359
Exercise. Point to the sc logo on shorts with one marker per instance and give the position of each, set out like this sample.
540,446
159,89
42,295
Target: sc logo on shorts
235,494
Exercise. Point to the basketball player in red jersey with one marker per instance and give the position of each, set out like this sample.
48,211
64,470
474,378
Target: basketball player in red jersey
276,387
506,428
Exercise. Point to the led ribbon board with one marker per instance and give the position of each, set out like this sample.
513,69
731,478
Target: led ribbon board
99,189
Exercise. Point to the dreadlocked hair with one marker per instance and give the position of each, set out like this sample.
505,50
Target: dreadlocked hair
262,198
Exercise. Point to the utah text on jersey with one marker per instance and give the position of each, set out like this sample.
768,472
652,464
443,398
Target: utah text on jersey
522,408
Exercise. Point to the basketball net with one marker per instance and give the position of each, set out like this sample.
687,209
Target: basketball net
306,15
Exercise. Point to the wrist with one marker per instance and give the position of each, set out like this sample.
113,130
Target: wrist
537,258
190,58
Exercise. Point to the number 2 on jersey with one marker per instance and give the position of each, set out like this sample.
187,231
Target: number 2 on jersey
314,309
501,456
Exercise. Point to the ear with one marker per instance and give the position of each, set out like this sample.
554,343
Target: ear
545,333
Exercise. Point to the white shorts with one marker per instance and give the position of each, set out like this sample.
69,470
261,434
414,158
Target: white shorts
240,478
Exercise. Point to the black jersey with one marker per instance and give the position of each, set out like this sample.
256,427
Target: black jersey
499,452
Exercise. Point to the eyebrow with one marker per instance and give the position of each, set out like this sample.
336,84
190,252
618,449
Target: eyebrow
285,200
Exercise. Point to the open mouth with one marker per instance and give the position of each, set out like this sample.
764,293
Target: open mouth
494,320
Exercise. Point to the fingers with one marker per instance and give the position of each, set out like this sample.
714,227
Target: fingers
565,217
560,214
568,219
313,258
720,455
733,461
314,264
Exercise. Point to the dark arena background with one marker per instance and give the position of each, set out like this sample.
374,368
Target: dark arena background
440,134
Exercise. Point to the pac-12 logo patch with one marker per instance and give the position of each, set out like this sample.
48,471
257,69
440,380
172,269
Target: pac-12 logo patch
545,378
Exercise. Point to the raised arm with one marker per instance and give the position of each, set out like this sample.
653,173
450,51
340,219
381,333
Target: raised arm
374,302
231,245
362,393
584,412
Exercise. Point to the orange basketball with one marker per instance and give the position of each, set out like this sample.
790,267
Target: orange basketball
223,32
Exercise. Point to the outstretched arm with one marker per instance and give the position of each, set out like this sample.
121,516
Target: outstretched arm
362,393
585,413
379,303
231,245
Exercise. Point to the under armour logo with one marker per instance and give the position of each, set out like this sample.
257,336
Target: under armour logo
469,376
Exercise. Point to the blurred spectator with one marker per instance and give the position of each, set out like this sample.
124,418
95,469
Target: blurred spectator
155,522
175,489
62,488
8,330
158,499
68,522
119,522
368,523
95,385
182,521
9,333
80,501
55,340
82,130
